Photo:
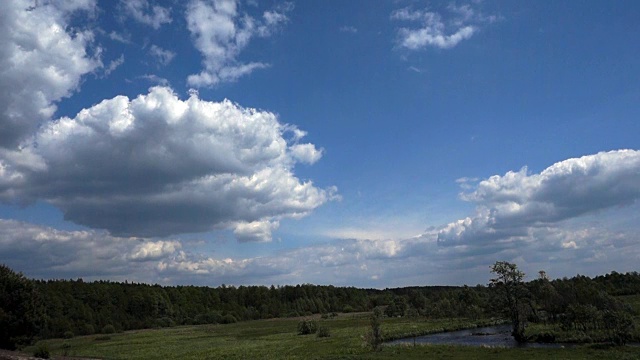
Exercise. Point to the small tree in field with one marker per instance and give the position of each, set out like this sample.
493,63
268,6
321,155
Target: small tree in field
509,282
306,327
374,335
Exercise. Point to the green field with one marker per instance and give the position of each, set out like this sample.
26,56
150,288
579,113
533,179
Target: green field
278,339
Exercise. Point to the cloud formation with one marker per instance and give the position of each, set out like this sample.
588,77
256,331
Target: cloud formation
221,31
514,204
575,248
145,13
432,30
42,61
163,56
157,165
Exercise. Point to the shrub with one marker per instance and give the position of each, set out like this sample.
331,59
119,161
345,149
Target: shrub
66,348
42,352
374,336
165,322
348,309
545,337
103,338
306,327
211,317
228,319
88,329
68,334
108,329
323,331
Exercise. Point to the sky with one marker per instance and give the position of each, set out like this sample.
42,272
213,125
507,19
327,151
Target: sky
355,143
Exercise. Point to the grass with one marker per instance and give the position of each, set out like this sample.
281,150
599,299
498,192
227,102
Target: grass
278,339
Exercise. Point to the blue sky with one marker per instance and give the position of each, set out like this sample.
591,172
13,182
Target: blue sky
360,143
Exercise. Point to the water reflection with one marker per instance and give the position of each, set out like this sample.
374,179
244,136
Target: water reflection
485,336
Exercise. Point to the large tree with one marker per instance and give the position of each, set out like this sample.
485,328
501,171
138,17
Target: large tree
509,282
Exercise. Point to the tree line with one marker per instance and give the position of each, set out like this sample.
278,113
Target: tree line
581,305
32,309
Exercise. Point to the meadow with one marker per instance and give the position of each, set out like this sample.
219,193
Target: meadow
279,339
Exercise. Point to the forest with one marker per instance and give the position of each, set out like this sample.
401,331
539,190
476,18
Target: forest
33,309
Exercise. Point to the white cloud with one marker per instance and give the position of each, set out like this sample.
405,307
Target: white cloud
255,231
220,32
163,56
154,250
154,79
45,252
114,64
145,13
41,60
589,249
69,6
511,205
435,31
156,165
349,29
306,153
121,38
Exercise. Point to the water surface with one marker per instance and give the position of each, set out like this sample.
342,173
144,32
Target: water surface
499,335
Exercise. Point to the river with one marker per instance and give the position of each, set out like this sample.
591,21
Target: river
499,335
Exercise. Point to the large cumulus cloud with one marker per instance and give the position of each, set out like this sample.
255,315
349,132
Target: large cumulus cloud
513,205
157,165
42,61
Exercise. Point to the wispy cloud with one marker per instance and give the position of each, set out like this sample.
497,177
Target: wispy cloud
121,38
113,64
155,79
145,13
221,31
164,57
348,29
433,29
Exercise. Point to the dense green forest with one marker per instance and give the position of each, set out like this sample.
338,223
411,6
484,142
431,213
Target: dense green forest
32,309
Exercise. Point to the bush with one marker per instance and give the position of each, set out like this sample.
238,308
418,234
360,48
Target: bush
323,331
306,327
88,329
545,337
103,338
374,336
68,334
66,348
228,319
348,309
165,322
42,352
108,329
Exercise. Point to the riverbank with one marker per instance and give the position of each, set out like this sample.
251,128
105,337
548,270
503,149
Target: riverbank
279,339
